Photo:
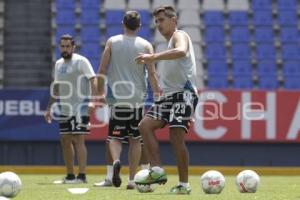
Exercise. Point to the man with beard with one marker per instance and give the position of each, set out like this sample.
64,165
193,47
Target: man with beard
74,82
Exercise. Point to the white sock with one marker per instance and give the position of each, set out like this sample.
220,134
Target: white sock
131,182
145,166
116,161
109,172
158,169
184,184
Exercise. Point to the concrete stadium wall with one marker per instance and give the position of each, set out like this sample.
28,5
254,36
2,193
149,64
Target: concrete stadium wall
201,154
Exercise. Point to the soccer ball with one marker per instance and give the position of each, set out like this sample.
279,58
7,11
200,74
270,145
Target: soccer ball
140,176
3,198
212,182
247,181
10,184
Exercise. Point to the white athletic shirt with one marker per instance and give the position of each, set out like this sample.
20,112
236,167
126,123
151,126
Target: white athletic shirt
179,74
74,87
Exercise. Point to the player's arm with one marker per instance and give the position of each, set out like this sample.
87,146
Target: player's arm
152,74
105,59
180,44
53,97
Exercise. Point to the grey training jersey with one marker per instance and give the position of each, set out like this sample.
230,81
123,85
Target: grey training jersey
126,79
74,88
179,74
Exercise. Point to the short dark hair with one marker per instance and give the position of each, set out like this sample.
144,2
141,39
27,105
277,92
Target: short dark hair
132,20
169,11
67,37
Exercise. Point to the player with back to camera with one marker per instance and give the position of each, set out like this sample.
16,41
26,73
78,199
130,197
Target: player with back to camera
126,81
74,82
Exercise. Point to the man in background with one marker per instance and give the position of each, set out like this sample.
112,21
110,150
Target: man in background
74,83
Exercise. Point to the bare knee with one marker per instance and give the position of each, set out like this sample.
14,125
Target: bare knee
66,140
149,125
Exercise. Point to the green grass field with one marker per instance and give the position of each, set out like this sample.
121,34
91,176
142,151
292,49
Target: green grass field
40,187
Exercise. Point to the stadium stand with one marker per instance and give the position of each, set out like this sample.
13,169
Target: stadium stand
1,43
256,38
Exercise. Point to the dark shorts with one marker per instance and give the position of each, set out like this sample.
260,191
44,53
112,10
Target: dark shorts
176,109
73,125
123,123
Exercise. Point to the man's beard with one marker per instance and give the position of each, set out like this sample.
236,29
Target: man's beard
66,55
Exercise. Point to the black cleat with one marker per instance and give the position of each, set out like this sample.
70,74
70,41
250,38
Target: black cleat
116,179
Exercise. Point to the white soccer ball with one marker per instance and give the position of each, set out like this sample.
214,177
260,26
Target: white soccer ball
213,182
10,184
247,181
139,177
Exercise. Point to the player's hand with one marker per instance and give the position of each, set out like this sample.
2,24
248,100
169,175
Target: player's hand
100,101
144,58
48,116
91,107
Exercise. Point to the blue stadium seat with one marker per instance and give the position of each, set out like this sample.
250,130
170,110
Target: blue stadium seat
240,34
61,30
243,82
90,16
217,82
57,52
90,50
241,51
214,34
286,5
146,17
261,4
291,68
113,30
145,32
217,68
287,18
242,67
213,18
267,68
114,17
264,34
292,82
262,18
90,34
65,17
95,63
238,18
63,4
290,51
289,34
268,82
90,3
215,51
265,51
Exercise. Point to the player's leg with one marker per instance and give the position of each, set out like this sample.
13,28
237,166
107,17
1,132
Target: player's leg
144,161
107,182
179,123
115,147
181,152
81,152
182,160
117,133
68,155
134,155
147,128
